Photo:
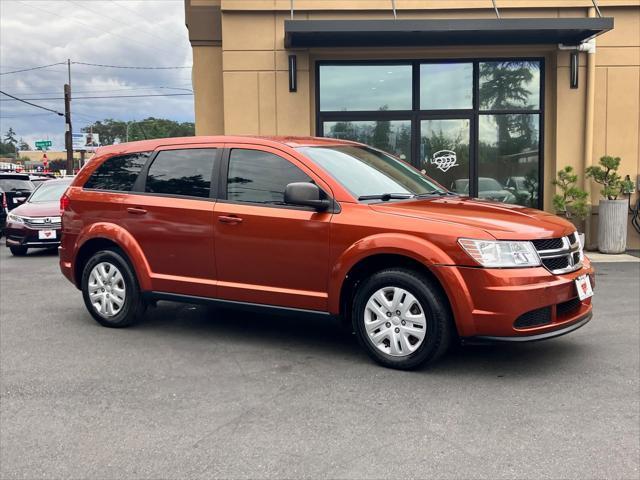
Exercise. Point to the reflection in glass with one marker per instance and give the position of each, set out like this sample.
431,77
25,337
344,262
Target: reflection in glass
260,177
181,172
508,168
393,136
446,86
365,87
444,152
509,85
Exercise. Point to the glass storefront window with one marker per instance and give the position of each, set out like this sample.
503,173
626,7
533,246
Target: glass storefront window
393,136
508,150
509,85
444,151
365,87
446,86
473,125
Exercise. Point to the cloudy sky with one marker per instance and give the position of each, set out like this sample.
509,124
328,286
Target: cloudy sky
132,33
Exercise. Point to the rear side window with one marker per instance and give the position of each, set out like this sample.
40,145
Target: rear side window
260,177
182,172
118,173
15,184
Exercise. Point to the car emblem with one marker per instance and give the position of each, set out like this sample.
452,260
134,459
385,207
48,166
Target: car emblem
47,220
444,160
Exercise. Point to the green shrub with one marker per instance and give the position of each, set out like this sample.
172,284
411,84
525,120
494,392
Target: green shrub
606,174
572,201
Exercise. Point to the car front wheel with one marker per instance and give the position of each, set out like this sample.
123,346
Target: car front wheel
402,319
110,290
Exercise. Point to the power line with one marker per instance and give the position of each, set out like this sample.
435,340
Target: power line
108,96
33,68
152,87
120,22
146,19
32,104
128,66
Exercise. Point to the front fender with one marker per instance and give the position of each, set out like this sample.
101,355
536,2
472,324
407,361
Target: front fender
409,246
126,242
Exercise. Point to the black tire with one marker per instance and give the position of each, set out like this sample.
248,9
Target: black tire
18,251
133,307
439,321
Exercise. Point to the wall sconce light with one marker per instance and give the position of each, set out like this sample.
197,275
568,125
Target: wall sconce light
573,71
293,73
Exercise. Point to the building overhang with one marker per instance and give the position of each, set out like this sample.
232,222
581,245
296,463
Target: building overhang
415,33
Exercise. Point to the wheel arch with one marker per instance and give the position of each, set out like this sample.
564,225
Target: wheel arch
106,236
399,252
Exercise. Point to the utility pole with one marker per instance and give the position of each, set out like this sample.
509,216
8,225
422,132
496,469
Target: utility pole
68,139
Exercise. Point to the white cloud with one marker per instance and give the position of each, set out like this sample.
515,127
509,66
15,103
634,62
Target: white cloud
114,32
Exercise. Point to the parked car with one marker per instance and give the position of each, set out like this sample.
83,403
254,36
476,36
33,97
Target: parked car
523,190
38,178
488,189
320,227
36,223
16,188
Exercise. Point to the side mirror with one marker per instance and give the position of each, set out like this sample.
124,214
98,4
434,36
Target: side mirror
305,194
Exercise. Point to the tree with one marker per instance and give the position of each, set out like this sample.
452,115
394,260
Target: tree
572,200
22,145
10,138
112,131
606,174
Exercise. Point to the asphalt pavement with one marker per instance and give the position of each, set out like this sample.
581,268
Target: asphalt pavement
196,392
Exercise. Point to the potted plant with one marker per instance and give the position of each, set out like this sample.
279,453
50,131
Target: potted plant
571,202
612,213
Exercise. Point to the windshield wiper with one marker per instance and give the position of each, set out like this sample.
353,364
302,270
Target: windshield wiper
440,193
385,197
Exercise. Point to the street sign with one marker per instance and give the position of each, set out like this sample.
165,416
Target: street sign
43,144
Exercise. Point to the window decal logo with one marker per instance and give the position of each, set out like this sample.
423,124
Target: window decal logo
444,160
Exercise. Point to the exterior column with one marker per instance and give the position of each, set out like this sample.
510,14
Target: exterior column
204,22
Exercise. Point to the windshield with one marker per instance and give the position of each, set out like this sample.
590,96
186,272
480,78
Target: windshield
15,184
48,192
368,172
487,184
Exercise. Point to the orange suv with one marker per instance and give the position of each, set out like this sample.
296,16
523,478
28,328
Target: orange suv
318,226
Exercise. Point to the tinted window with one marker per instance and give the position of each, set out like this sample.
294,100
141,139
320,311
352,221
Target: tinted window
182,172
15,184
118,173
260,177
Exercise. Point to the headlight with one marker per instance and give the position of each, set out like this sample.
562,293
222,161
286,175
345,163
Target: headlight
501,253
14,218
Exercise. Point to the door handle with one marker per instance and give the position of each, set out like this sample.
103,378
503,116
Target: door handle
232,219
136,210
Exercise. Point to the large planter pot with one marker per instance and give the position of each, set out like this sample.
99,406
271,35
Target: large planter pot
612,226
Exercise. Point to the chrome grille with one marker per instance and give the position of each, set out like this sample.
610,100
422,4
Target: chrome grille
560,255
42,223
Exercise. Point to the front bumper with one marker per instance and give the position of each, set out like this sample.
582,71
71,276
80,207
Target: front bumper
19,235
515,305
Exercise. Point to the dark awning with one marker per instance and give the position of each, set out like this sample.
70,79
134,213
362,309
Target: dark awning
411,33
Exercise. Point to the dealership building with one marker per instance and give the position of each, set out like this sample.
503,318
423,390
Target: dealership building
489,98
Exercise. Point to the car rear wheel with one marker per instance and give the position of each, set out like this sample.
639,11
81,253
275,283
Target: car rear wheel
402,319
18,251
110,290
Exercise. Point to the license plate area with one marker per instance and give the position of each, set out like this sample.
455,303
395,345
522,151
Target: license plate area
583,285
46,234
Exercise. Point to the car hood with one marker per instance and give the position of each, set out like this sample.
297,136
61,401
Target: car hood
502,221
44,209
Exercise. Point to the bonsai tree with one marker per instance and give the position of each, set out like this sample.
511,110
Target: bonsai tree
572,200
606,174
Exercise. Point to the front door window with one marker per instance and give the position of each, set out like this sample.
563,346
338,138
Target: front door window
474,126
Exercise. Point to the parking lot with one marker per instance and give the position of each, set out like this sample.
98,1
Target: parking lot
201,393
